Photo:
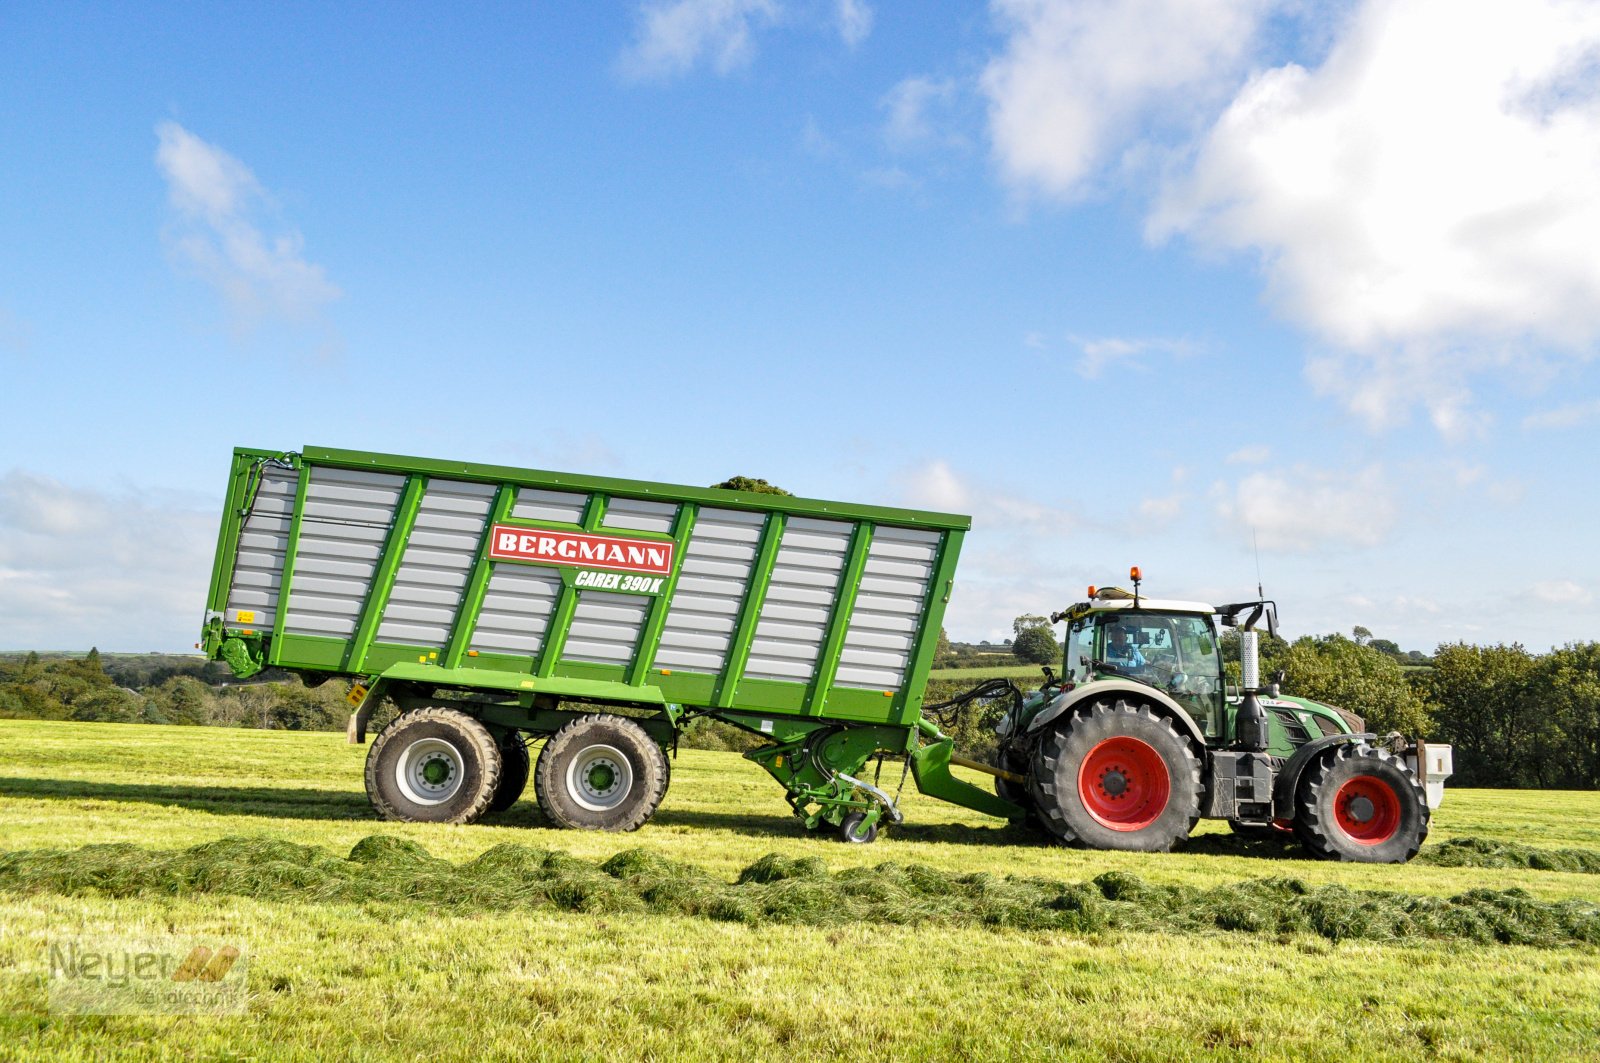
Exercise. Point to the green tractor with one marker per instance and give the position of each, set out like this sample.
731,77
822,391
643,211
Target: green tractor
1141,736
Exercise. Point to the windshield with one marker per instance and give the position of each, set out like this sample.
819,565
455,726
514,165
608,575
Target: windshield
1177,654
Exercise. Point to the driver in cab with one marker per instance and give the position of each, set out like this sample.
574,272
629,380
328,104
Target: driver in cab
1122,652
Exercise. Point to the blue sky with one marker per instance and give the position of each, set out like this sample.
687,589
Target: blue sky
1130,282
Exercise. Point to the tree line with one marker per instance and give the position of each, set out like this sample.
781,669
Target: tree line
1516,719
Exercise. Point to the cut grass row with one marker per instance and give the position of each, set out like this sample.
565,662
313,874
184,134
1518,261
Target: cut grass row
794,891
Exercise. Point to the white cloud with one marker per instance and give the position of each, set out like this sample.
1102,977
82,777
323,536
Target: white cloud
1422,202
1305,510
1252,454
673,36
1099,354
1077,82
1562,592
81,568
909,122
1568,416
215,201
854,18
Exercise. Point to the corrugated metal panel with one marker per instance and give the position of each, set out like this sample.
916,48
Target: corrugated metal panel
888,609
342,530
800,595
263,541
440,554
605,627
516,609
632,514
559,506
711,586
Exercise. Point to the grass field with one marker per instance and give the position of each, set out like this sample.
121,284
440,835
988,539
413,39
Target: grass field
366,973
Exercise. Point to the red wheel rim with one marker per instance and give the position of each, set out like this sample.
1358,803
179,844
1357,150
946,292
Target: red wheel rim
1124,784
1367,809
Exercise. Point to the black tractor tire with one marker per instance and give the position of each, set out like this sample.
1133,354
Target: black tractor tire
515,764
600,772
1360,803
433,765
1115,775
850,830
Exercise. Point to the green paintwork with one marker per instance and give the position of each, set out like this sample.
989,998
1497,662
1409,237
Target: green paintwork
478,582
650,637
394,548
838,729
286,587
930,767
839,621
760,576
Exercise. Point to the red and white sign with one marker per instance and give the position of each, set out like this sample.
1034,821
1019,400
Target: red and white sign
581,550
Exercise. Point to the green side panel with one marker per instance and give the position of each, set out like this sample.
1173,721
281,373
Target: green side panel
477,583
839,620
769,695
867,706
309,651
650,637
750,611
939,590
555,636
286,584
518,682
233,510
394,548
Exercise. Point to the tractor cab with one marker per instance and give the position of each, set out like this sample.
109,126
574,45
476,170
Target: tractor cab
1170,645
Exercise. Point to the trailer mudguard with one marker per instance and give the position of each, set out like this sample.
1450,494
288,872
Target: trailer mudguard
1283,790
1160,701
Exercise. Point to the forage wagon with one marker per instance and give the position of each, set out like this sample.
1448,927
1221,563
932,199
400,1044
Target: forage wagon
492,605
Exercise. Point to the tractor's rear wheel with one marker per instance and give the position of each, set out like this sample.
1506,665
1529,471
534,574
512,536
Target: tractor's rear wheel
600,772
1117,776
514,767
433,765
1361,803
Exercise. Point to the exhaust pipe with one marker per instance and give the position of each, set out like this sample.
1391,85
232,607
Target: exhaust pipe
1250,724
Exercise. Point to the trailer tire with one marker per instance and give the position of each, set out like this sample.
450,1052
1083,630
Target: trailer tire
515,765
1117,776
433,765
1360,803
851,833
600,772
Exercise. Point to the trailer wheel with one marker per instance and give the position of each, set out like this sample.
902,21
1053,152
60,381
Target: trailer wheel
850,830
1361,803
600,772
433,765
1117,776
514,767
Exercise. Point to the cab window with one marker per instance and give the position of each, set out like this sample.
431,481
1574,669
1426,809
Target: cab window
1080,649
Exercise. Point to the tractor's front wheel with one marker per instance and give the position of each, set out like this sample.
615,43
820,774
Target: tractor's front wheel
600,772
1361,803
1117,776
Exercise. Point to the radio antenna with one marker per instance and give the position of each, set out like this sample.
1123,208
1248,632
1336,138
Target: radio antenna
1257,548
